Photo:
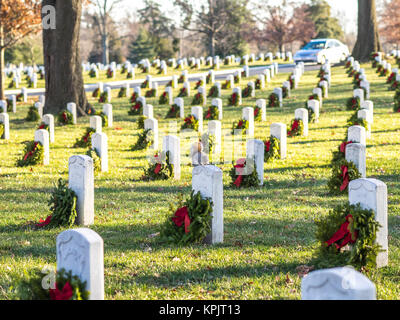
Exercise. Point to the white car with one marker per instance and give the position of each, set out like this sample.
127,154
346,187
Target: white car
321,50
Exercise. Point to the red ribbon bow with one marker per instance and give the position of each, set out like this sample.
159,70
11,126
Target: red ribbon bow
65,294
42,223
182,217
343,146
208,116
343,233
267,145
345,176
240,164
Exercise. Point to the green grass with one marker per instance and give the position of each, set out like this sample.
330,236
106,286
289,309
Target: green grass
139,74
269,231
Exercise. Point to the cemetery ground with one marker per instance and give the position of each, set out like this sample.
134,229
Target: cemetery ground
268,232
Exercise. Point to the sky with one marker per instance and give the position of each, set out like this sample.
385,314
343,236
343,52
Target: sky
345,10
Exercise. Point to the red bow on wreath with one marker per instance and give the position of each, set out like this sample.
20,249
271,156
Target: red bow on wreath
345,176
240,164
158,166
343,233
65,116
240,124
295,126
256,111
208,116
43,223
65,294
30,153
182,217
344,145
267,146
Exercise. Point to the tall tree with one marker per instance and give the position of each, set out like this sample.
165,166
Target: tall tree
213,18
284,24
63,76
18,18
367,36
390,22
326,26
142,47
103,10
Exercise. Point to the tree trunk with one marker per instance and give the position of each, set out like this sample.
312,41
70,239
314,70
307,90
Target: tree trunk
368,37
104,42
63,70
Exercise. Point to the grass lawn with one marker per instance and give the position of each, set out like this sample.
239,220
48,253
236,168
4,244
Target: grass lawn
269,231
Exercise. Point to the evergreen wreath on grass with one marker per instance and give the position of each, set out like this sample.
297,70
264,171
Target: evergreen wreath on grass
86,140
134,97
96,93
33,154
271,149
136,109
349,227
103,97
65,118
311,115
396,107
353,103
226,85
150,93
163,98
244,174
233,100
198,99
122,92
340,153
109,73
92,73
323,89
190,122
20,97
285,93
213,93
104,118
183,93
189,221
208,141
67,287
12,84
314,96
343,172
145,85
242,125
160,168
296,128
257,84
273,100
354,120
199,84
9,105
96,159
212,113
247,92
173,112
391,78
140,122
145,140
33,114
394,86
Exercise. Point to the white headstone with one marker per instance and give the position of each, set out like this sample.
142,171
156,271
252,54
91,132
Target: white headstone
371,194
262,104
357,134
279,131
255,150
369,105
356,153
81,181
172,144
337,284
365,115
48,119
215,129
248,114
71,107
314,105
4,119
96,123
42,136
360,94
152,124
238,91
148,111
197,112
100,144
81,251
208,181
181,104
217,102
39,108
107,110
278,92
302,114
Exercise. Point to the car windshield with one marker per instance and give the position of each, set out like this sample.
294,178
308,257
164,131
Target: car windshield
315,45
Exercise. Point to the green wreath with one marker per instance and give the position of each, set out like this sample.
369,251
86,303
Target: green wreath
336,180
188,221
246,180
136,109
212,113
96,93
190,123
96,159
122,92
353,103
296,128
103,97
140,122
68,287
213,93
198,100
92,73
227,85
104,118
257,114
354,120
163,99
241,124
273,100
183,92
144,141
272,149
285,92
362,227
173,112
86,140
233,99
247,92
33,154
311,115
33,114
162,169
65,118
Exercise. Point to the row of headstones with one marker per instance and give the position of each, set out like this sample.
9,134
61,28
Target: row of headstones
86,246
364,83
322,92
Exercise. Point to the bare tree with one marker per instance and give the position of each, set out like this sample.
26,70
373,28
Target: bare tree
390,22
102,19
